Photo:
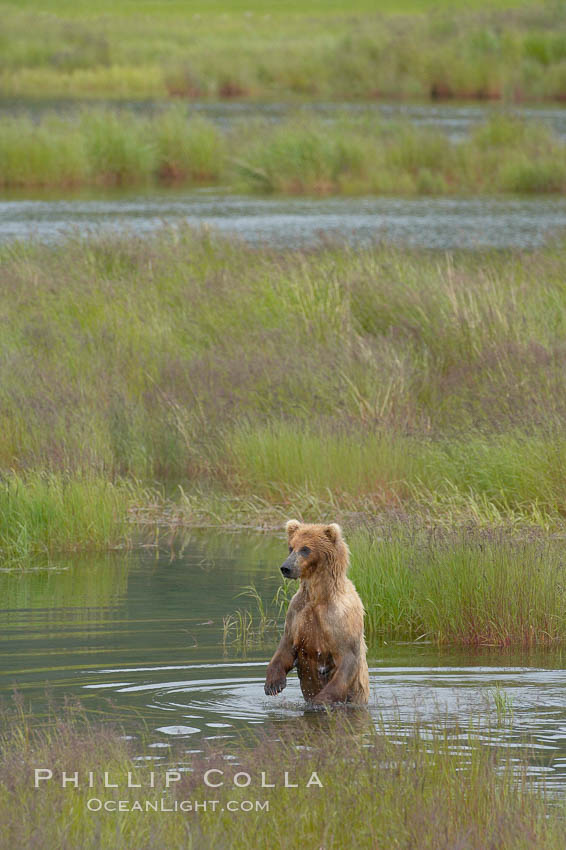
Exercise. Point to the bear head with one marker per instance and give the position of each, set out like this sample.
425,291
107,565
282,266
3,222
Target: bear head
314,550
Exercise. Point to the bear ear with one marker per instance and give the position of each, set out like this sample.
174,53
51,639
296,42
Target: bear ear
333,532
291,526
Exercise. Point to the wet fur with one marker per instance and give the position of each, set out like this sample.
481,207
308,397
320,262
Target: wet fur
324,627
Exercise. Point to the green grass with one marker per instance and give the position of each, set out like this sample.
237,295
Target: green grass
467,588
416,49
211,8
509,475
434,790
362,155
46,513
110,148
327,381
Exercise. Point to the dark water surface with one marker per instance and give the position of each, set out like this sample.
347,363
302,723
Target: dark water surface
435,223
138,638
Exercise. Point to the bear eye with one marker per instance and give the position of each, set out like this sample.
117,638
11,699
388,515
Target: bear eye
304,552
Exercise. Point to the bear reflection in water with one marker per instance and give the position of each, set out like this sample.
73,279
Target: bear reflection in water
324,627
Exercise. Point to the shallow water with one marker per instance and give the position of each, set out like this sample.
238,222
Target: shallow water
435,223
456,119
138,638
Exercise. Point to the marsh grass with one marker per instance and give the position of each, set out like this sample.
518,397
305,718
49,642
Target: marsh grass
426,789
303,154
103,146
341,51
489,588
324,382
503,705
237,629
244,628
505,476
42,514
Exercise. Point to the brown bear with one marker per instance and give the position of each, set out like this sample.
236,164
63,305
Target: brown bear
324,627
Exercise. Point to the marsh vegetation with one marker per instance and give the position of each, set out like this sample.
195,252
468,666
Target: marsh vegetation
258,50
185,379
371,379
409,792
352,155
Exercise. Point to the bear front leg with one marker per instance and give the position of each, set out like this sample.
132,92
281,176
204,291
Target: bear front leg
279,666
338,687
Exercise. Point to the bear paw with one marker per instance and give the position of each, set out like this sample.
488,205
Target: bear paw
275,684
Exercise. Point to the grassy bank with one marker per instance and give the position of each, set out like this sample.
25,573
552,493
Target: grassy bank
432,793
466,588
352,155
43,513
360,379
319,50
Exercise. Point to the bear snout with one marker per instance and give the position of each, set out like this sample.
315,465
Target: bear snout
290,568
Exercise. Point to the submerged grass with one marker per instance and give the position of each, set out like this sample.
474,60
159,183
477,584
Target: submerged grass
325,50
353,155
426,790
